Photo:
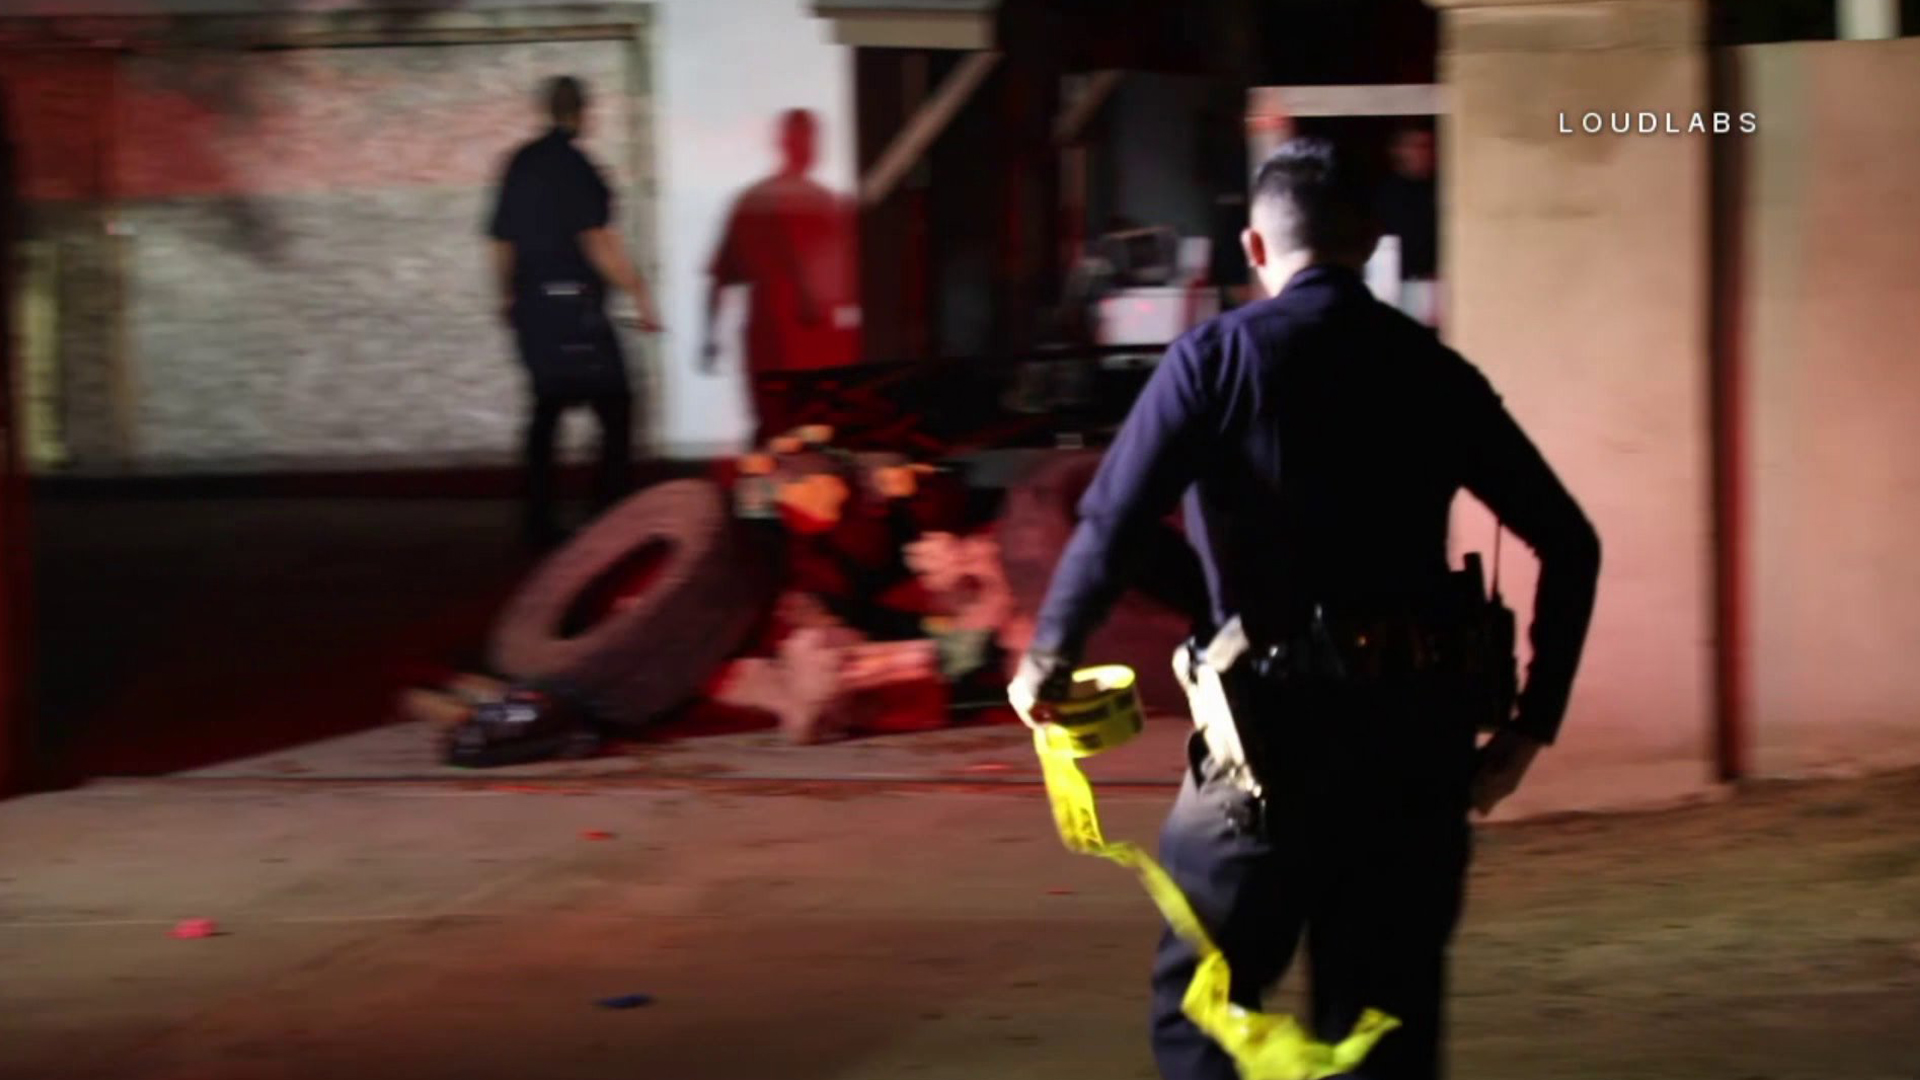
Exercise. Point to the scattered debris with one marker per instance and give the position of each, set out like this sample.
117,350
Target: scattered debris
626,1001
965,579
1146,622
635,614
439,708
193,929
826,683
525,725
474,689
886,619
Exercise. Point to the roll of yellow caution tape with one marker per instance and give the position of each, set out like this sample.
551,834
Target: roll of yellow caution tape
1102,712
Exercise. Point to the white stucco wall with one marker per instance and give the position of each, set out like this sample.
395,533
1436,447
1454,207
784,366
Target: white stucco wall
723,71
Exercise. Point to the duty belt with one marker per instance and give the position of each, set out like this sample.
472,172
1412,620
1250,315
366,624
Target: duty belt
1368,649
1469,660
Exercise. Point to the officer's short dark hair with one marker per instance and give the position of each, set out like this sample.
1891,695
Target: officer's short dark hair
566,99
1321,198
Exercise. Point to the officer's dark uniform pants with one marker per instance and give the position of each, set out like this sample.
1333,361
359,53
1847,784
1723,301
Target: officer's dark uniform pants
1363,853
573,359
614,411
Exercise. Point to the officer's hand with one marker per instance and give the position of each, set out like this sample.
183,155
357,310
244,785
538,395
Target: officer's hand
1503,764
1042,680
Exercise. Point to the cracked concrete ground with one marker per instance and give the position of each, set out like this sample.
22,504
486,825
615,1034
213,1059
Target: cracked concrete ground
858,931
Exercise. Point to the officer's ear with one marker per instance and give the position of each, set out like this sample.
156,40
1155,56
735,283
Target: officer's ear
1255,246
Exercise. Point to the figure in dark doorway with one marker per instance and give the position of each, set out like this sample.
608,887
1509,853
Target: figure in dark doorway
1409,209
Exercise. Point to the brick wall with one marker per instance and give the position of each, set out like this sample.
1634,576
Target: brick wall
273,258
62,115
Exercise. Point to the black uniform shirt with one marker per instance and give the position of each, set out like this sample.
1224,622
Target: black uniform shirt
551,193
1320,438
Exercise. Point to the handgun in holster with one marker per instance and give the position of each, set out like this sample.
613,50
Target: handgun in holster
1222,680
1216,677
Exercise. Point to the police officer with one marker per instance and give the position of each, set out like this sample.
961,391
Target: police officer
1319,437
555,254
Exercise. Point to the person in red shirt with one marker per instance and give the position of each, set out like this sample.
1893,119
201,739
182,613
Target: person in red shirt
790,240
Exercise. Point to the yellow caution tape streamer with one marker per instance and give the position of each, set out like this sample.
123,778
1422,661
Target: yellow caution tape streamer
1104,712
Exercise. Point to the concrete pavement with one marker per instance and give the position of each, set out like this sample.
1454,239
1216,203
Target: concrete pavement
860,930
1563,781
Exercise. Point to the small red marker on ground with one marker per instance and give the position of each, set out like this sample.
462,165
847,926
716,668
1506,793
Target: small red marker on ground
190,929
596,834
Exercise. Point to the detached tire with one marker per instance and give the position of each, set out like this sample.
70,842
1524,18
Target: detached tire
1039,518
637,612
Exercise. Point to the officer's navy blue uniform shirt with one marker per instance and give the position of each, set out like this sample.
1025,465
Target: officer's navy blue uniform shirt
551,193
1320,438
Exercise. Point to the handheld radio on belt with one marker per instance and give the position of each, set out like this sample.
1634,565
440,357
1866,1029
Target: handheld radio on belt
1487,653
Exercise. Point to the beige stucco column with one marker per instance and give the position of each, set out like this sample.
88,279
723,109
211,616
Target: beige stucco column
1576,270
